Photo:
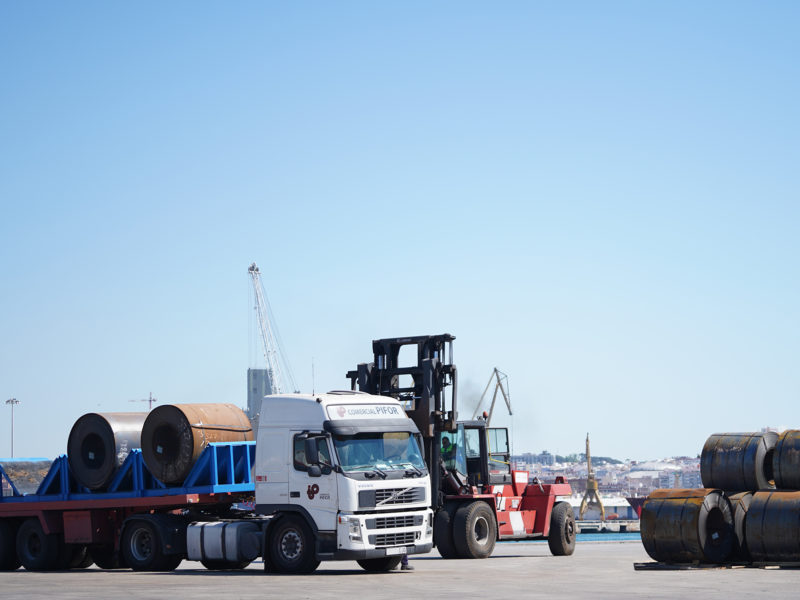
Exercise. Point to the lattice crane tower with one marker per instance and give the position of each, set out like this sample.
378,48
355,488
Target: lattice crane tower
278,369
591,498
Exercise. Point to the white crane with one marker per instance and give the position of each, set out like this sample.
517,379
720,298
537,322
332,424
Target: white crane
280,373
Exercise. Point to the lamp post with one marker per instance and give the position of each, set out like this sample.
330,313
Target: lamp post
12,402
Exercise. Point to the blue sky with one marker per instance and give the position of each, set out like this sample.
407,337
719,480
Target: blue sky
600,199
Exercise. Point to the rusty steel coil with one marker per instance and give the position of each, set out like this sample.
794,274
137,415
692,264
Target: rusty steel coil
686,525
786,460
738,462
740,503
772,527
99,443
174,436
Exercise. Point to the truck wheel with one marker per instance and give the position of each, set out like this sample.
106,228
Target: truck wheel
9,561
562,530
36,550
105,557
380,565
292,547
443,532
474,530
224,565
81,558
141,547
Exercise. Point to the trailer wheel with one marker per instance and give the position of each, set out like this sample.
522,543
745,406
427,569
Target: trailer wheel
475,530
443,532
37,551
561,538
105,557
81,558
379,565
292,546
9,561
224,565
141,547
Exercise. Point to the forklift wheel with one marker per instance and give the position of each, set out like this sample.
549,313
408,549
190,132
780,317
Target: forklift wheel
443,531
475,530
562,530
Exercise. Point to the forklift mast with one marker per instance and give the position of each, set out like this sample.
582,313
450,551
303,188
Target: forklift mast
427,400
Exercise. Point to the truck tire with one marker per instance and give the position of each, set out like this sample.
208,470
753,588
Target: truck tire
9,561
380,565
443,532
81,558
105,557
141,547
224,565
561,538
292,547
37,551
474,530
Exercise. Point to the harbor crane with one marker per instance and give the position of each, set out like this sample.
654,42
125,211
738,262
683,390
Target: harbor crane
501,385
278,369
591,498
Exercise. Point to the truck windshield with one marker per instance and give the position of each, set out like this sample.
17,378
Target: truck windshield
386,451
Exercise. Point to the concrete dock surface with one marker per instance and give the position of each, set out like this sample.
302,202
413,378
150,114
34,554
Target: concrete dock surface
516,569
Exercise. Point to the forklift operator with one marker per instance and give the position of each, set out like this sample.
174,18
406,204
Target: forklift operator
448,452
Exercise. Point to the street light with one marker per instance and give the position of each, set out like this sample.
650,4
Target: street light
12,402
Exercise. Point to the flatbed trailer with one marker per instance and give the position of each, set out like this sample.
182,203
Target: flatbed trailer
64,522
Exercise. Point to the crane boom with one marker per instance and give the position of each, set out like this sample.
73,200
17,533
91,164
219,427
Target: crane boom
501,385
280,375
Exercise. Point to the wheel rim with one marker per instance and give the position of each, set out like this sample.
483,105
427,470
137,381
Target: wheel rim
141,544
569,529
481,531
291,545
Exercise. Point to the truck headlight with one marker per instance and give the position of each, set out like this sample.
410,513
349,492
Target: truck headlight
353,527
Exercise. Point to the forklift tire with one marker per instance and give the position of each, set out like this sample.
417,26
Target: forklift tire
292,547
37,550
475,530
443,532
562,530
379,565
9,561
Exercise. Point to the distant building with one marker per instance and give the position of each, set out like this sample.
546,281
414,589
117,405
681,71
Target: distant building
545,458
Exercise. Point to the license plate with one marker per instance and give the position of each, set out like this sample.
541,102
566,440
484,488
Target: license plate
391,551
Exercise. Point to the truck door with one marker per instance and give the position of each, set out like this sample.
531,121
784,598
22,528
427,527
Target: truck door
318,495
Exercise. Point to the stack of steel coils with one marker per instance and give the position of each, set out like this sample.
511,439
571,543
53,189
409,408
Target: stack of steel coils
171,438
747,511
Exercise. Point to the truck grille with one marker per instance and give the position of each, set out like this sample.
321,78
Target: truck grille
392,522
392,539
399,496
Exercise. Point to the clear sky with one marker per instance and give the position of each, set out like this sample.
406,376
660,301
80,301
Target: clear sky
600,199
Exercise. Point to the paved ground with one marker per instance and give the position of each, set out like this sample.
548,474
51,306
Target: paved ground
597,569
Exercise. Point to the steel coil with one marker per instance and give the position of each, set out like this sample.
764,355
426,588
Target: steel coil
740,503
99,443
772,527
174,436
686,525
786,460
738,462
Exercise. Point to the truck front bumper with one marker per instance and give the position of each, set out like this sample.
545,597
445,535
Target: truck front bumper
382,552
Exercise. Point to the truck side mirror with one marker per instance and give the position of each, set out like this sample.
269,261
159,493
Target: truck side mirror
312,451
314,471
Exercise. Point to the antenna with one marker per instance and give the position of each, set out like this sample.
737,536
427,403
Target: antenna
149,401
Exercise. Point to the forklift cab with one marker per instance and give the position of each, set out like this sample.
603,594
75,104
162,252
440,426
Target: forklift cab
478,453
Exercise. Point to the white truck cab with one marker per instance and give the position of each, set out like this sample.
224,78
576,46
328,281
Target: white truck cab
344,478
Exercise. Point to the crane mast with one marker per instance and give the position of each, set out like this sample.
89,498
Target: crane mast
280,376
